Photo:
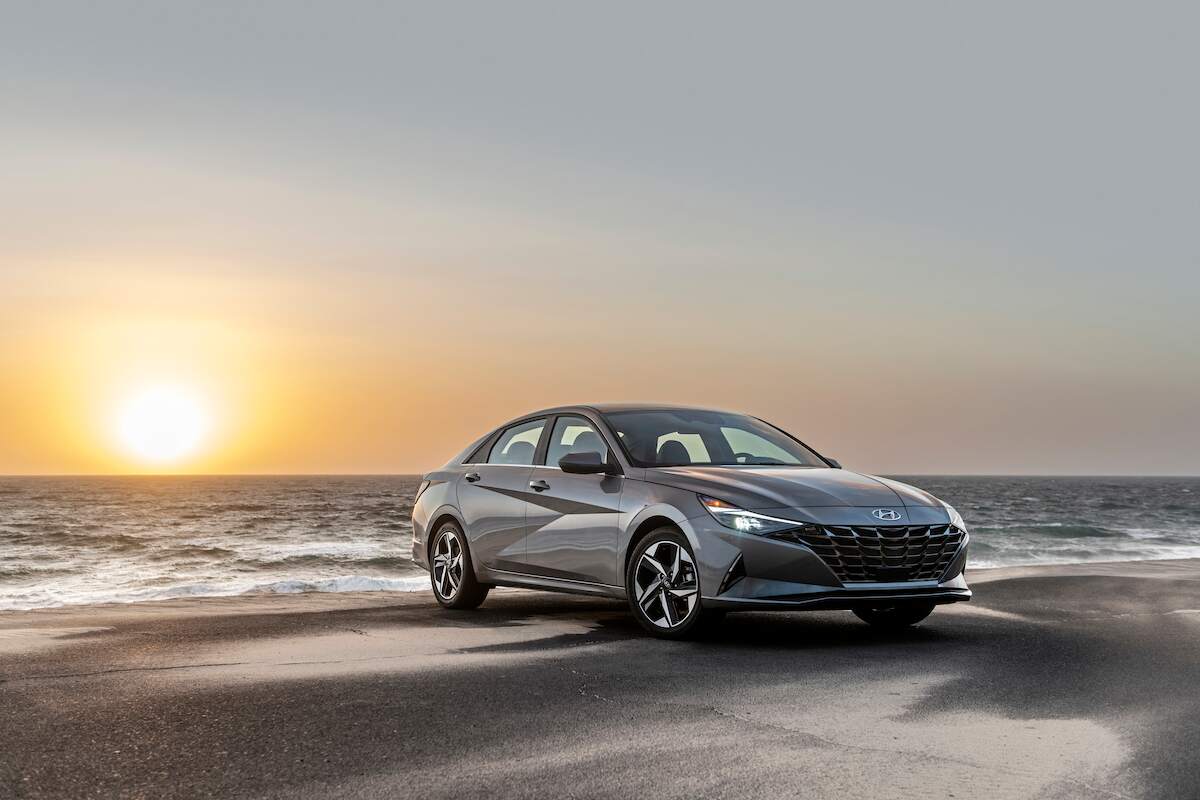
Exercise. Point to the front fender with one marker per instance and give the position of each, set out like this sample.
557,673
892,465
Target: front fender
630,525
642,502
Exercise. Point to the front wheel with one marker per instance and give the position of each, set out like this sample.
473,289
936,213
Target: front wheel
895,617
664,587
451,572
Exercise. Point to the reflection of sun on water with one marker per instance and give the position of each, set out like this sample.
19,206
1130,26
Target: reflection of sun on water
162,424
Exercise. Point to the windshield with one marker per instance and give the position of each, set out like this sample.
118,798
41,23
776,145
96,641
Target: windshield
676,437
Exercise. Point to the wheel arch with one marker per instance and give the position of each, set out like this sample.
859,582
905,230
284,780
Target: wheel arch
441,517
652,518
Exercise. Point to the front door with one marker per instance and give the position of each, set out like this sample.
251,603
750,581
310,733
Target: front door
491,497
572,519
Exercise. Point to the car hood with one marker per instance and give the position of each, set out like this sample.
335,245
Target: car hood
791,487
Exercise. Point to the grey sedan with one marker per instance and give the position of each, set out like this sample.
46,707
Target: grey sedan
687,513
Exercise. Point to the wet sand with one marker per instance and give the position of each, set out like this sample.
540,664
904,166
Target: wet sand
1055,682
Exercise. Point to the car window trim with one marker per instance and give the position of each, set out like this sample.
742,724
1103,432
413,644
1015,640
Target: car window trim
539,453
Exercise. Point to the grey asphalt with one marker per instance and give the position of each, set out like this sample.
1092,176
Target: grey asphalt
1078,682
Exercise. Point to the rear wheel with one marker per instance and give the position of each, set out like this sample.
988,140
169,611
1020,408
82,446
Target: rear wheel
451,572
894,617
664,587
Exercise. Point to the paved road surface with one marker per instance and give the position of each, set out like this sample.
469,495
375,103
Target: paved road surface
1073,682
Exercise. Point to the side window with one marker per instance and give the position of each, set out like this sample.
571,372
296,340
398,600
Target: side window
574,435
517,444
479,454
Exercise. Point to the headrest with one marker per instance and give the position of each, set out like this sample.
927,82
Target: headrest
588,442
673,452
519,453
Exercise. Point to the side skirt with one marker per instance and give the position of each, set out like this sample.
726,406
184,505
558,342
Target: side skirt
498,577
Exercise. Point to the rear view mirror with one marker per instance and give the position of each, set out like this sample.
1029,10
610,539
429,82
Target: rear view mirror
583,463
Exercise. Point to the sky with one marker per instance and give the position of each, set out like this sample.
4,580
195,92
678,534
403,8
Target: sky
923,237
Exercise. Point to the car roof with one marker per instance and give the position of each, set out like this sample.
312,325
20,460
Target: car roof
612,408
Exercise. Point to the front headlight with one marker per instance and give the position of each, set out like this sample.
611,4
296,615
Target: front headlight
745,521
955,518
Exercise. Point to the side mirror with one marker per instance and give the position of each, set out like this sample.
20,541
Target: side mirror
833,462
583,463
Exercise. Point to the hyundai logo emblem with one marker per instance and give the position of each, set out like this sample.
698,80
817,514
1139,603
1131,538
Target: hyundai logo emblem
885,513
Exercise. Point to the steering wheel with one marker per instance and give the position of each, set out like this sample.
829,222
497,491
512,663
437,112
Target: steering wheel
746,456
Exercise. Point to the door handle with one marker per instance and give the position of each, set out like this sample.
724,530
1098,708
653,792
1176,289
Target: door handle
539,486
471,477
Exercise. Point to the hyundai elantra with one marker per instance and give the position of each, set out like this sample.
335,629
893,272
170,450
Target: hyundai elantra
686,513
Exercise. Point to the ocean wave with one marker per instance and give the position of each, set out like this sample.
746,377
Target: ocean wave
29,571
338,584
89,540
58,537
332,549
192,551
986,560
325,559
1052,529
348,583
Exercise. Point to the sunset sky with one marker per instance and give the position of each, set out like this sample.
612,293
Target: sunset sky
926,238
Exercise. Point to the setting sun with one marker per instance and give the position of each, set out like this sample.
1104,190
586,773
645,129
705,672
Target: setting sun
162,424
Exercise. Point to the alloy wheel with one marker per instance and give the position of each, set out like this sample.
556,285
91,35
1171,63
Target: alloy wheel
665,584
447,564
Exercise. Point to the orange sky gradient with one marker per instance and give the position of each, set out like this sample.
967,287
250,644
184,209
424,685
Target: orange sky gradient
357,263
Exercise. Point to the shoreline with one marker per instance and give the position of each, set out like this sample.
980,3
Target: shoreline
974,575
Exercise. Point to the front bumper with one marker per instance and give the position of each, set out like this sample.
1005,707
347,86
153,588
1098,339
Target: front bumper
749,571
750,594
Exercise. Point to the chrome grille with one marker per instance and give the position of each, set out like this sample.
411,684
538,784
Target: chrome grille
883,554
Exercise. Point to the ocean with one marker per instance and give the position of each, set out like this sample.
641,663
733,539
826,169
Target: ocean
76,540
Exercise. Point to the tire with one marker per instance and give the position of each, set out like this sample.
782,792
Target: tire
894,617
451,572
665,597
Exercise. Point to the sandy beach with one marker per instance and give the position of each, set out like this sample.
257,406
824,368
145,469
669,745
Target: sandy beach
1055,682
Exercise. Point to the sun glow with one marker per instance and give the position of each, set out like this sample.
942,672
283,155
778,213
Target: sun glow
162,424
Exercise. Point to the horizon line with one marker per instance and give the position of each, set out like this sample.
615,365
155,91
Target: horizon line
4,476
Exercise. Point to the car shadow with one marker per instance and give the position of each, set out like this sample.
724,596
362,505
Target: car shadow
610,621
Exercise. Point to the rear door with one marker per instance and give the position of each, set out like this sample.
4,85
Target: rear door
492,497
572,519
